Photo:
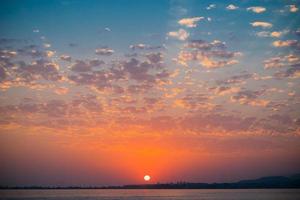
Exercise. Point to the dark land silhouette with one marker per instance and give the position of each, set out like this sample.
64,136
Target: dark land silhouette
264,182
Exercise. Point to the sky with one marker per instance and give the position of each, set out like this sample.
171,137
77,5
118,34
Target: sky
105,92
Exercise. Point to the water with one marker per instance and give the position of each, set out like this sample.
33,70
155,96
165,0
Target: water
250,194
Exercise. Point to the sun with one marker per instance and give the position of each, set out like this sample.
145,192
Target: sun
147,178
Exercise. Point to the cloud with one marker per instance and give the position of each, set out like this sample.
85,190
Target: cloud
7,54
144,47
192,101
3,73
292,72
261,24
293,8
203,45
47,45
284,119
231,7
285,43
263,34
98,79
66,58
146,73
72,44
105,51
225,90
155,57
275,34
61,90
85,66
181,34
256,9
190,22
236,79
139,71
96,62
80,66
281,61
211,6
53,113
206,122
290,61
39,69
204,60
209,63
249,97
138,46
208,55
49,53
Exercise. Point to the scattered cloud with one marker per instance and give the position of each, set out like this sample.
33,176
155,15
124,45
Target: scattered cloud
81,66
208,55
285,43
190,22
275,34
282,61
105,51
130,86
138,46
142,46
204,122
211,6
231,7
61,90
256,9
39,69
292,72
249,97
261,24
293,8
192,101
66,58
236,79
181,34
225,90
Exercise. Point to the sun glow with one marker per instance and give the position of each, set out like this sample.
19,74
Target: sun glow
147,178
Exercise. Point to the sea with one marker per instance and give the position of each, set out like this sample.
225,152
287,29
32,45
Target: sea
152,194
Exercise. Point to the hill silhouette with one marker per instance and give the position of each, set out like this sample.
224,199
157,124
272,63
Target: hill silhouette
263,182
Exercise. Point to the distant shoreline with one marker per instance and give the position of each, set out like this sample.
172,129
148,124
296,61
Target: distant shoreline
272,182
296,188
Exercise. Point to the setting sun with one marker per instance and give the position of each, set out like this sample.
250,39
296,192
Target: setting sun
147,178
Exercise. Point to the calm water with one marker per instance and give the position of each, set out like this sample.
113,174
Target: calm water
260,194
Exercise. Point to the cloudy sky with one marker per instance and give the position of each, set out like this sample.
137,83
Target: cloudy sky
104,92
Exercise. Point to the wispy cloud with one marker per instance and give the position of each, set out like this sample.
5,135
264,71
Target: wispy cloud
105,51
293,8
190,22
211,6
261,24
257,9
181,34
285,43
232,7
